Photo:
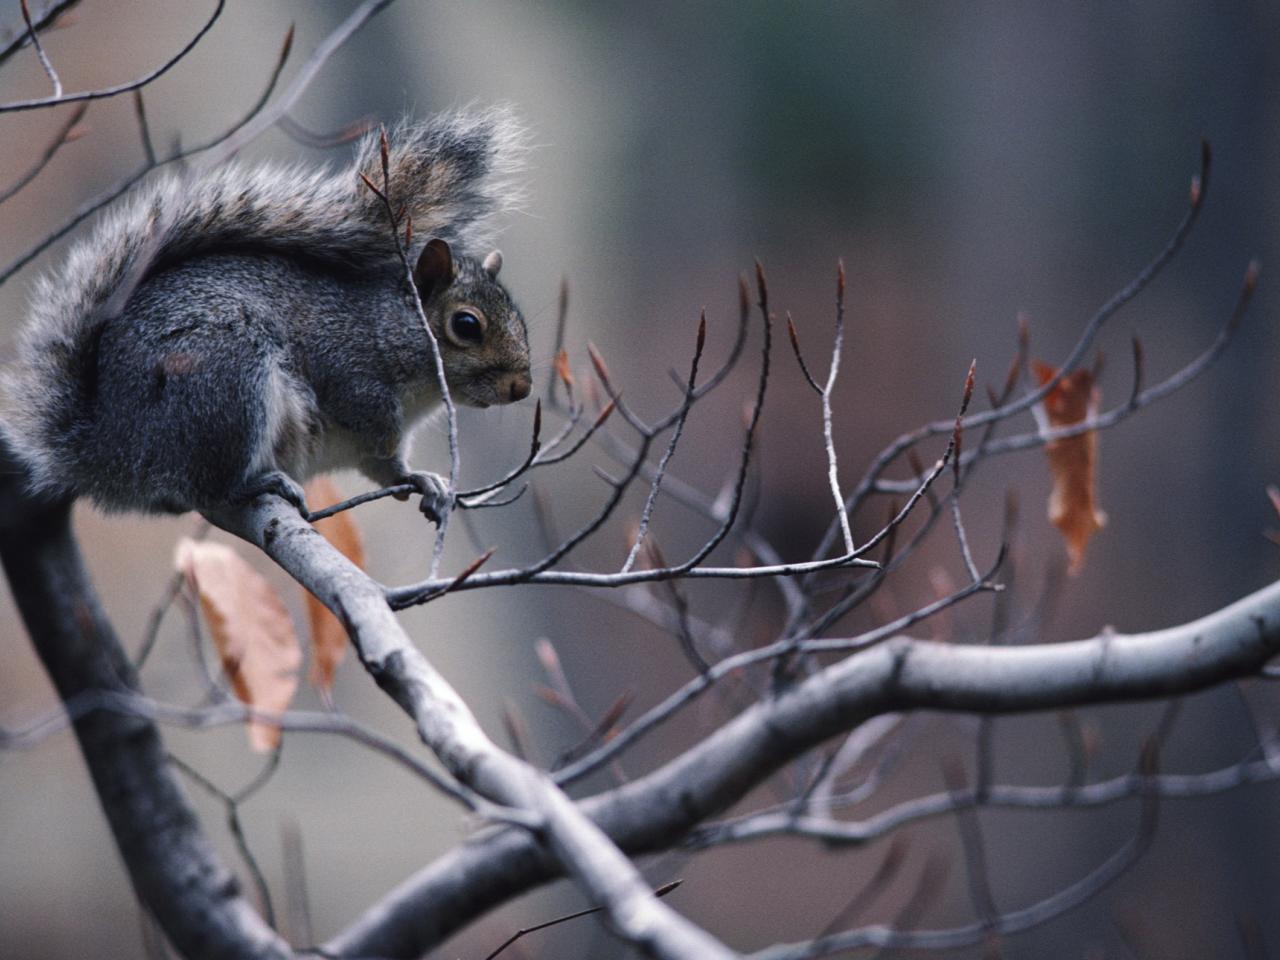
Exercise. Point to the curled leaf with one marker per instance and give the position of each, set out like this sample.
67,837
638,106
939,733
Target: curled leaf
251,630
1073,506
328,637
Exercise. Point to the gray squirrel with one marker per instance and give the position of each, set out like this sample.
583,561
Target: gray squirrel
267,332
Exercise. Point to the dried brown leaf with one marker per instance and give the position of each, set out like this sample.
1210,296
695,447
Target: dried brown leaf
328,637
1073,506
251,630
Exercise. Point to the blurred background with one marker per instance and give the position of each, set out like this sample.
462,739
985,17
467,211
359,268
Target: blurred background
967,162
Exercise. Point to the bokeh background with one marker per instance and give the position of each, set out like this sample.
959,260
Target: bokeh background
967,161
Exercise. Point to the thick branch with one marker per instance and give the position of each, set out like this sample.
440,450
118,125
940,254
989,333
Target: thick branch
448,727
173,867
656,811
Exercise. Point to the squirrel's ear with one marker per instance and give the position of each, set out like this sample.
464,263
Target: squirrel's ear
434,269
492,264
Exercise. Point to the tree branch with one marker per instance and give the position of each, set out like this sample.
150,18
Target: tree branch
42,102
174,869
657,810
447,726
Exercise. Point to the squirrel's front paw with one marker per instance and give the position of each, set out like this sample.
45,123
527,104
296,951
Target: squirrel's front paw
437,497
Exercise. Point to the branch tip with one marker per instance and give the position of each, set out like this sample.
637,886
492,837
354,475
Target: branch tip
795,348
597,361
287,46
1247,289
604,414
370,184
1251,275
562,368
384,151
1138,365
1200,182
666,888
471,568
968,386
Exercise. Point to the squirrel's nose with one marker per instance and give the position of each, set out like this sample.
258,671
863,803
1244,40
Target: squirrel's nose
514,386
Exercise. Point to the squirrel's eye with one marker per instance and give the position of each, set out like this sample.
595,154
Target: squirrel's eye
466,328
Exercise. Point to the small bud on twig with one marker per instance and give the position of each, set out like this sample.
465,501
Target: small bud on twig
1137,372
376,192
597,361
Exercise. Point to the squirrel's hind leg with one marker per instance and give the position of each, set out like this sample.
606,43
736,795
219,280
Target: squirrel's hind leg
181,421
274,482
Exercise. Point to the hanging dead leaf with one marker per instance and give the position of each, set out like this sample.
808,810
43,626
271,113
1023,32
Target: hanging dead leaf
251,630
328,637
1073,506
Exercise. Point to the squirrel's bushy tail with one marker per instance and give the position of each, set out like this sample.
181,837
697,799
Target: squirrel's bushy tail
450,173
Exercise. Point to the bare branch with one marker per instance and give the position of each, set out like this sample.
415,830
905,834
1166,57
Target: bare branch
659,474
11,41
871,479
40,52
106,92
203,912
901,675
323,141
448,727
1171,384
97,203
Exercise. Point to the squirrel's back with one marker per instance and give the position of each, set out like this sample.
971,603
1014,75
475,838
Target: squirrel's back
450,174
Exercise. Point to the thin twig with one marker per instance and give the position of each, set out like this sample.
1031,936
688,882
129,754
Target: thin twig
106,92
144,128
659,474
65,134
1171,384
14,40
871,479
833,477
40,52
323,141
232,802
92,206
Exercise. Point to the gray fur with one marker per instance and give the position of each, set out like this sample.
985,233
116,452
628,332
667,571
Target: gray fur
271,335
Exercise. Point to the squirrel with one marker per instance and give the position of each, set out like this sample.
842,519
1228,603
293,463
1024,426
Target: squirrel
269,333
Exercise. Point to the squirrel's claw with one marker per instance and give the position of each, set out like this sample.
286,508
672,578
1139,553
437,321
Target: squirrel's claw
437,497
